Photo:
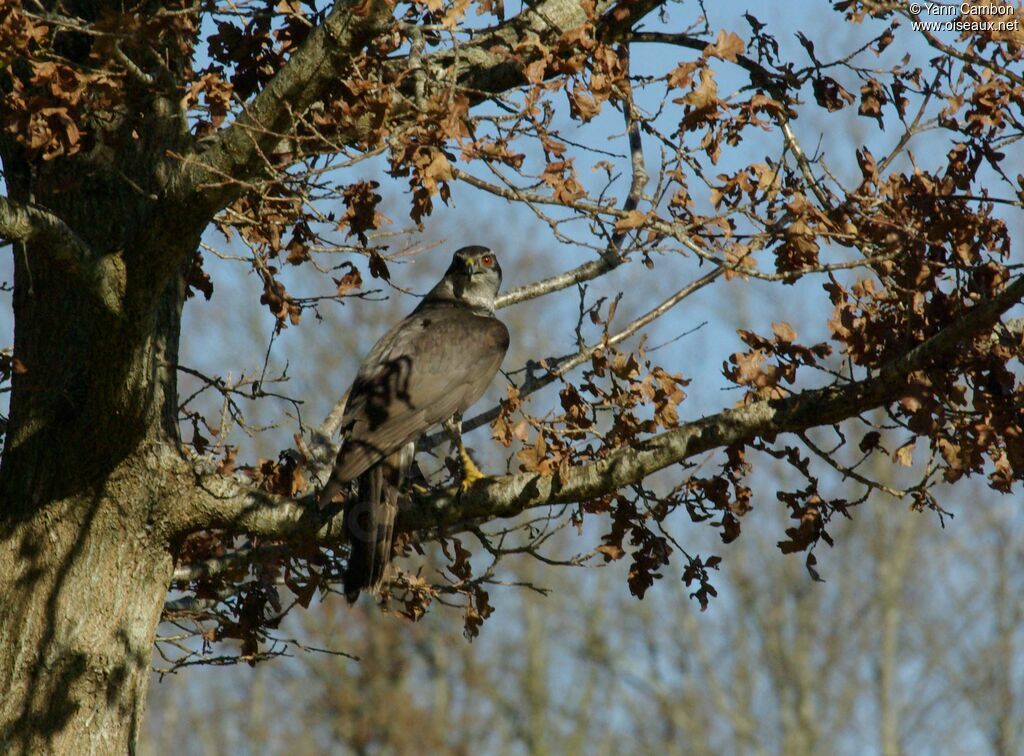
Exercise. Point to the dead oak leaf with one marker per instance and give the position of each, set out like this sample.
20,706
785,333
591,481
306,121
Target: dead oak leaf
728,46
632,219
905,454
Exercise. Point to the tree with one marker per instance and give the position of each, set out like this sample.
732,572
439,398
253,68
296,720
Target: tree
659,675
130,131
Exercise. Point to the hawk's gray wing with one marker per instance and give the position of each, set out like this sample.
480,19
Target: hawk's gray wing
433,364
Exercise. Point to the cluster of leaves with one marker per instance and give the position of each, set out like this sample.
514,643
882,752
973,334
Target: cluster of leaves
606,411
764,381
621,399
926,236
639,525
69,84
244,600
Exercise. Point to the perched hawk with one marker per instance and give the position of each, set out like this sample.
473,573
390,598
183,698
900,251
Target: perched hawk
426,370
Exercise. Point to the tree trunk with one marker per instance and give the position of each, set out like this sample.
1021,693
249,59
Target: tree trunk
85,556
83,584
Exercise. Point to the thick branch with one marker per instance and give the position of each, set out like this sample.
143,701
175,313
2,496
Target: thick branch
483,67
238,153
495,60
29,224
227,504
44,236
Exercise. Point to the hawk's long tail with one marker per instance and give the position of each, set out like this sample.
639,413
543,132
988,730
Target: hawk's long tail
370,524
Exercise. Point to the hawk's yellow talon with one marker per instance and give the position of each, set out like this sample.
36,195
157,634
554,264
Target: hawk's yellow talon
470,472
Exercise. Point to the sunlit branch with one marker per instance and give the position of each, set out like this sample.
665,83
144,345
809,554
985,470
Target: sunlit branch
238,151
226,503
44,236
638,169
612,256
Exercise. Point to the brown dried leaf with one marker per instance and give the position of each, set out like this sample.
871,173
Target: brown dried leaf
728,46
905,454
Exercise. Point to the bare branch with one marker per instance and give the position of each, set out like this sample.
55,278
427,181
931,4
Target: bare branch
612,255
588,271
39,230
28,223
225,503
562,366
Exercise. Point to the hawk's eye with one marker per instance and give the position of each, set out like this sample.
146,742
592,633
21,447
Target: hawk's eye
487,261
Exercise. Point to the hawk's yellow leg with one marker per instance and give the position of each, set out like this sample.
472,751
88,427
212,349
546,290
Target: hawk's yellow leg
470,472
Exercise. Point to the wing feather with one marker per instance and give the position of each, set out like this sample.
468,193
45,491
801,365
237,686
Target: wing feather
433,364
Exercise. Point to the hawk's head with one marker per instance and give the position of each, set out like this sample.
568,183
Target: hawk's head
473,278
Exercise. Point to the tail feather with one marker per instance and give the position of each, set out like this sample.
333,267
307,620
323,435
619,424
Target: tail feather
370,525
334,487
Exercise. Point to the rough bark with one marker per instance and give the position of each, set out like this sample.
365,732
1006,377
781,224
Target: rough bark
84,557
93,492
84,581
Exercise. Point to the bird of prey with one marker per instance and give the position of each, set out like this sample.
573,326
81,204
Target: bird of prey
426,370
